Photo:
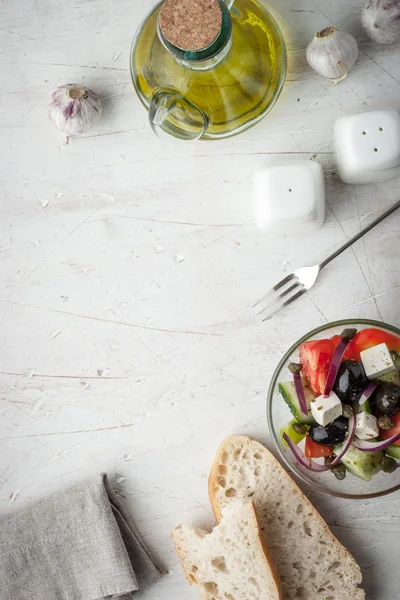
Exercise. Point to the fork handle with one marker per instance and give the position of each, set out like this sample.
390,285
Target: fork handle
359,235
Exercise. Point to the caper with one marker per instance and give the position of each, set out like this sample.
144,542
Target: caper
348,334
300,428
329,460
385,422
295,367
388,465
339,471
347,411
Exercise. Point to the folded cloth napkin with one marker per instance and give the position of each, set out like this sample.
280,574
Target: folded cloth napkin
77,544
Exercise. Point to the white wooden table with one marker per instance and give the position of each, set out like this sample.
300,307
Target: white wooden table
128,271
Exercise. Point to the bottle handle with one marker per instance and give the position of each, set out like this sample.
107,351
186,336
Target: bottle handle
170,114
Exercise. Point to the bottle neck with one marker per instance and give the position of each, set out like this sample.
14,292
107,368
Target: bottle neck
207,63
208,57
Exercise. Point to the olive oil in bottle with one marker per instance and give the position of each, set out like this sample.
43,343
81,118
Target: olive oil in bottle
231,89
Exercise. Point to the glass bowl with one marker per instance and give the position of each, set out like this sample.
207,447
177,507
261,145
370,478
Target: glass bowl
278,414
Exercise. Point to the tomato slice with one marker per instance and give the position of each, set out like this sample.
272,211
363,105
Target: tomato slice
314,450
385,434
367,338
316,357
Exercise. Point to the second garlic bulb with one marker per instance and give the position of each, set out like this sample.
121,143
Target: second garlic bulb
381,20
332,53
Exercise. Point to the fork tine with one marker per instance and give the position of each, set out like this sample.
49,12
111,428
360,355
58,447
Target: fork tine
282,295
286,303
274,289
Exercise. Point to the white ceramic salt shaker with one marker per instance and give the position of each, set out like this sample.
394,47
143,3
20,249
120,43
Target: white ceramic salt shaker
368,146
289,197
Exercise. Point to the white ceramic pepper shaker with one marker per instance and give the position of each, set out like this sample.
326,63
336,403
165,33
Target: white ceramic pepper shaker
368,146
289,197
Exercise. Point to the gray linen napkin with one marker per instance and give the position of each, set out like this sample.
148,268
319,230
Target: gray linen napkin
77,544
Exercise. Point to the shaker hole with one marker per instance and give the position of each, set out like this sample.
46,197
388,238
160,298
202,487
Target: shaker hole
290,189
380,128
364,133
375,149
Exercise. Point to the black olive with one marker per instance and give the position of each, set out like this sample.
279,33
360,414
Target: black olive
331,435
350,381
387,399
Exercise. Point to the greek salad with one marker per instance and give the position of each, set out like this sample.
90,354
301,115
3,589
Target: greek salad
344,395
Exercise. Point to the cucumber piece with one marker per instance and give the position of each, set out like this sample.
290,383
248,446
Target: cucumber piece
393,376
366,407
288,391
362,464
294,436
393,451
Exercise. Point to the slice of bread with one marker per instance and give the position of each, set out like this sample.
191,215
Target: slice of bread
231,562
312,564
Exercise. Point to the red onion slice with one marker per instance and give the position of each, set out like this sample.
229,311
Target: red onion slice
367,393
301,457
308,463
300,393
340,349
365,446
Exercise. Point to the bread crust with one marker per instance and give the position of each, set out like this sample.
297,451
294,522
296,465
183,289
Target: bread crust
267,554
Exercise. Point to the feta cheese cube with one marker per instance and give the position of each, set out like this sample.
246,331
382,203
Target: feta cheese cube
366,426
325,410
377,361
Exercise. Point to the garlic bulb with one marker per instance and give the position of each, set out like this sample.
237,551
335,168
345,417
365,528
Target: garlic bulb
74,109
381,20
332,53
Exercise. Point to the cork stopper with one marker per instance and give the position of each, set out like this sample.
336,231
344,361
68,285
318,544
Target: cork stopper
190,24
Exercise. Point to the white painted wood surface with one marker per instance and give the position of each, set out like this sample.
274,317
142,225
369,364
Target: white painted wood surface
128,271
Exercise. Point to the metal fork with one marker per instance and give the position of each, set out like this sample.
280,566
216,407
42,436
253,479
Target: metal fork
303,279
